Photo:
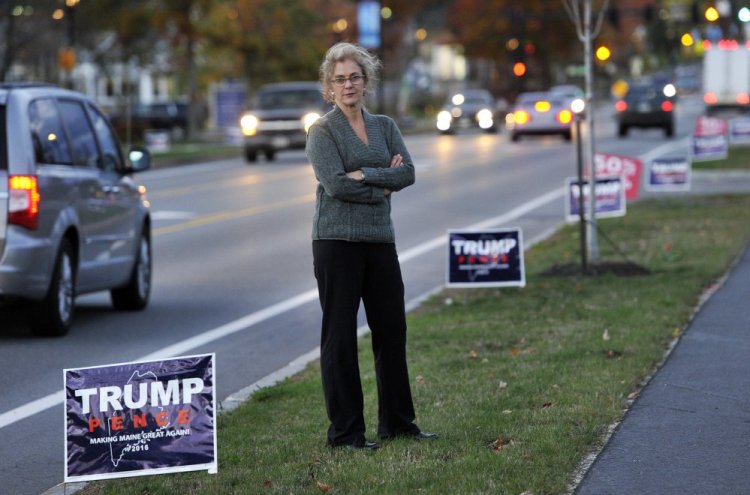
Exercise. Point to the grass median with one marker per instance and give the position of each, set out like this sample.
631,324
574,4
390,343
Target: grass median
521,384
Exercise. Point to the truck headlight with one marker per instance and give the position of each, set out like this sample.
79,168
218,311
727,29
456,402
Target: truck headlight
444,120
309,119
249,124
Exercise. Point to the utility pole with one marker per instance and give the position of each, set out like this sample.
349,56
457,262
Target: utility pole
580,12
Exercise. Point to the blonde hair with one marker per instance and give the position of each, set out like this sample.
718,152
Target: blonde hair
348,51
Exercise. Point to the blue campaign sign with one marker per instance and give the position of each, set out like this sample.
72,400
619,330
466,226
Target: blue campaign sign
714,147
669,174
610,198
739,130
134,419
230,101
368,20
487,258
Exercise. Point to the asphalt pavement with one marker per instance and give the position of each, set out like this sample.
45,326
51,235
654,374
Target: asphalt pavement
688,431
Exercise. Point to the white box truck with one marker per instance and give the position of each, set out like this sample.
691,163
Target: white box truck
726,75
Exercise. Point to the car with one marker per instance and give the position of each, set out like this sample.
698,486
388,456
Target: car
568,91
540,112
73,218
472,108
646,104
280,117
170,116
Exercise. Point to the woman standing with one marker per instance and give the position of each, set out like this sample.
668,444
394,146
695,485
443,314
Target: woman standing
359,160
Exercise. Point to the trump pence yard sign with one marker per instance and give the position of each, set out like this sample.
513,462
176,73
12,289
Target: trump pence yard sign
488,258
140,418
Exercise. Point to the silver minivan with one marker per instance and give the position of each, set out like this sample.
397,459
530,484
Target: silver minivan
73,220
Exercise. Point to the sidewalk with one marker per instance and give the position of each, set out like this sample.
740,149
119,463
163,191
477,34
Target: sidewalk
689,430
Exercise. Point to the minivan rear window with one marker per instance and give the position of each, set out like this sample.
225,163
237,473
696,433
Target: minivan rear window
3,140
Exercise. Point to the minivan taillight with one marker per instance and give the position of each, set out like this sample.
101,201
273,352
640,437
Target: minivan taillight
23,205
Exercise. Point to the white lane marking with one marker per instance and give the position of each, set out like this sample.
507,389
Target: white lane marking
52,400
172,215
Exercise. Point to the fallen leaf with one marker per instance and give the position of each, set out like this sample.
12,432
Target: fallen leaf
610,353
632,395
515,352
500,443
547,405
420,380
605,335
507,411
502,385
267,483
676,332
324,487
473,354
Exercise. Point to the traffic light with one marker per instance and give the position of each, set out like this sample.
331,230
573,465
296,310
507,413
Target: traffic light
613,17
519,69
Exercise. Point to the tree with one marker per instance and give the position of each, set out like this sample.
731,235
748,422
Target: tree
507,31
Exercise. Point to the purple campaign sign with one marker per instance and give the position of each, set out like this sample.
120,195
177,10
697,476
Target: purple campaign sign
610,198
669,174
488,258
134,419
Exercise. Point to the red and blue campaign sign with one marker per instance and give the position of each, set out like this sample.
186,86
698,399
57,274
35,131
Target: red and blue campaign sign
610,198
739,130
488,258
669,174
141,418
627,168
710,141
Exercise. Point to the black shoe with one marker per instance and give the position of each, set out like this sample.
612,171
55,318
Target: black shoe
416,435
425,435
366,445
357,445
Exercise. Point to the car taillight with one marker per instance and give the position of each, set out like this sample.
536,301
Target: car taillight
564,116
621,106
667,106
23,205
743,98
521,117
710,98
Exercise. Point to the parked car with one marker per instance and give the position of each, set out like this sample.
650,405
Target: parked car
540,113
169,116
646,104
73,219
472,108
279,118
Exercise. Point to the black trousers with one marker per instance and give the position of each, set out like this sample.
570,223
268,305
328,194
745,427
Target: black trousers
348,272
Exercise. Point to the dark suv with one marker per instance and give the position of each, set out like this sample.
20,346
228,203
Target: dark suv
645,104
72,218
280,116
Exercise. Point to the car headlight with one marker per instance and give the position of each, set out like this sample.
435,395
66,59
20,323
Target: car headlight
249,124
309,119
484,118
444,120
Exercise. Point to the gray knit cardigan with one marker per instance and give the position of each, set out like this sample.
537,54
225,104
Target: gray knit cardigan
346,209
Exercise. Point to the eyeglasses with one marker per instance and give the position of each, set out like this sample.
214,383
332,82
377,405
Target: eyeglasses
354,79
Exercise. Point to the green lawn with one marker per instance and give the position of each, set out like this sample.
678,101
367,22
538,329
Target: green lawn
521,384
738,159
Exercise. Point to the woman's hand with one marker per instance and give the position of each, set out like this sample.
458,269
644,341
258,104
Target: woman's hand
397,160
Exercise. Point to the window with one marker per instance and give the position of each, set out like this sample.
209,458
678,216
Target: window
47,132
111,156
85,150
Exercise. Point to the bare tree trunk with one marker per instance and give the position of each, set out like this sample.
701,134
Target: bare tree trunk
9,51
